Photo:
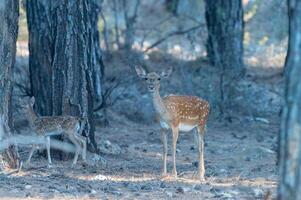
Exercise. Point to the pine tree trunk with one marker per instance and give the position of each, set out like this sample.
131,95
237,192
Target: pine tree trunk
65,58
290,135
9,16
225,46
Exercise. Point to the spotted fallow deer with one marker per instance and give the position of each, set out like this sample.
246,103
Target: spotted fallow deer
47,126
178,113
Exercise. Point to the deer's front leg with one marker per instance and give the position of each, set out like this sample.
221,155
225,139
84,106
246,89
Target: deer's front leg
164,155
175,133
48,150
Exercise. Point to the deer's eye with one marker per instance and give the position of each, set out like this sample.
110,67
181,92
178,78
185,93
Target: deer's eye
146,78
159,79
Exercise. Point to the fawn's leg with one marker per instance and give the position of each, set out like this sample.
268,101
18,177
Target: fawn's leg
83,141
175,134
47,140
32,150
200,141
77,147
164,141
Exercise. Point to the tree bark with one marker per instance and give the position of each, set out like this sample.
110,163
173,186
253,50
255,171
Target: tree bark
290,137
9,17
65,58
225,46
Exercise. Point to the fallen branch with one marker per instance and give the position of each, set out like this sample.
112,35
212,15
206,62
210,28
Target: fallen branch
171,35
34,139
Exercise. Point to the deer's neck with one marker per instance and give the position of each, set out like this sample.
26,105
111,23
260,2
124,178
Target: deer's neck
32,116
159,104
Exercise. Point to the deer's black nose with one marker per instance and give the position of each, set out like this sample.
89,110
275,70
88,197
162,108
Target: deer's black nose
151,87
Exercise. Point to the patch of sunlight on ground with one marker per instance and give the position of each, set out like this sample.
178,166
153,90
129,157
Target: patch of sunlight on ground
214,181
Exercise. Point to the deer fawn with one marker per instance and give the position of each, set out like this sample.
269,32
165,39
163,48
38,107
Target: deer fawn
178,113
47,126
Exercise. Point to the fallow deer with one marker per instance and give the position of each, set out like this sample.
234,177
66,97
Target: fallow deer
178,113
47,126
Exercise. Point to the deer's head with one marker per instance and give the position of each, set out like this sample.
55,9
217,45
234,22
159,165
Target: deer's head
29,104
152,79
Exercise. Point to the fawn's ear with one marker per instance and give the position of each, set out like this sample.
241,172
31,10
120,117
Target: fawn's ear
32,100
140,72
166,73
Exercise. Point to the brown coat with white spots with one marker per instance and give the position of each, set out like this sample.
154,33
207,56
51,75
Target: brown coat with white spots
187,110
46,126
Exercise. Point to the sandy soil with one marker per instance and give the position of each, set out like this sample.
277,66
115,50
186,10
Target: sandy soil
240,161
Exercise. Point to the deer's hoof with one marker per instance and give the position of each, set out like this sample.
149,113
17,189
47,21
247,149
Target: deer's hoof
202,179
174,174
164,175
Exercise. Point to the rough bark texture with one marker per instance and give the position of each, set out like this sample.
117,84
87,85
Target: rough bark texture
290,137
65,58
9,16
225,47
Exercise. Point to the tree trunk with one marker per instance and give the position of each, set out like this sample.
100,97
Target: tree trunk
290,137
172,6
225,47
130,21
65,58
9,16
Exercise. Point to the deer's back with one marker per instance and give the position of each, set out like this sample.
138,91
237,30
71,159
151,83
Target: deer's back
55,123
188,110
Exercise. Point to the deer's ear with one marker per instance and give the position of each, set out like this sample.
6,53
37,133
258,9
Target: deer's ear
32,100
140,72
166,73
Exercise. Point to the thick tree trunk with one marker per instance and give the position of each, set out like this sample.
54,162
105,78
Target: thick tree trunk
65,58
9,16
225,47
290,135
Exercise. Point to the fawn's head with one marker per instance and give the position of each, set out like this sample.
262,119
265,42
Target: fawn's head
29,104
152,79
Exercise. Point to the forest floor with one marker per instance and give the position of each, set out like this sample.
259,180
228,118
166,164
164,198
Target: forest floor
240,164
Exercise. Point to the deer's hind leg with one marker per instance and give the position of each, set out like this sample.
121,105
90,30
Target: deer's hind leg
200,141
32,150
83,141
175,134
47,140
75,141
